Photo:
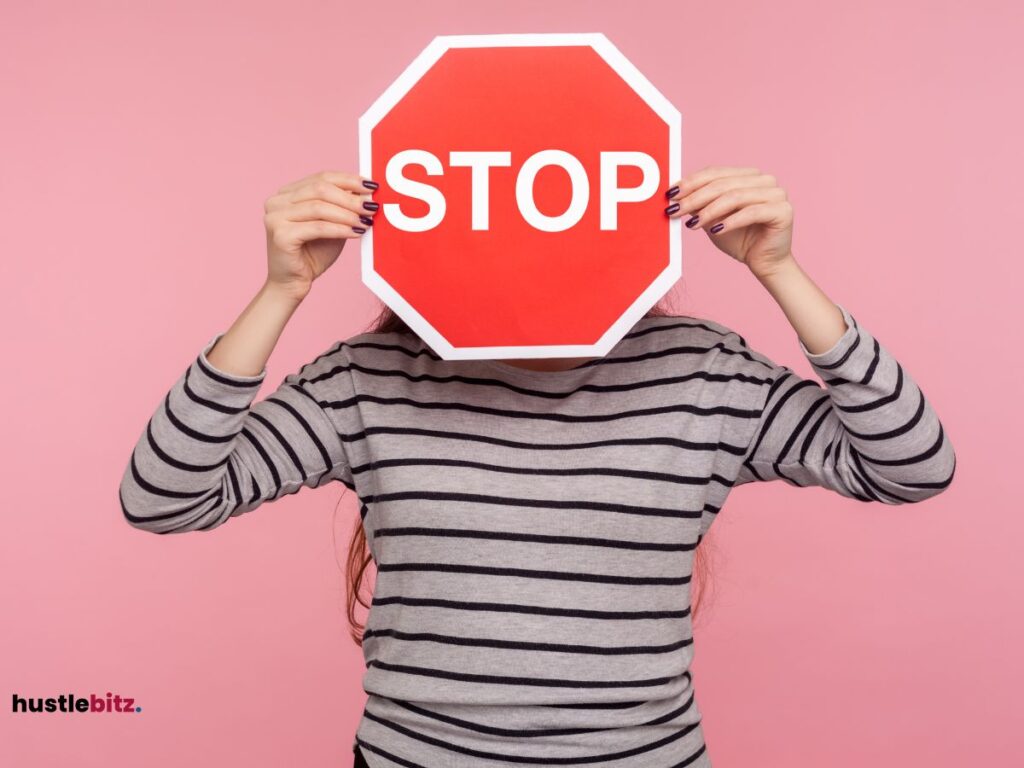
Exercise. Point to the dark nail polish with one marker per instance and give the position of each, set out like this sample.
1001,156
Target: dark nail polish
370,205
672,192
717,228
672,209
692,221
370,184
359,230
366,220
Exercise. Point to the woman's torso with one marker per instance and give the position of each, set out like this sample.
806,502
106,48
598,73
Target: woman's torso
534,536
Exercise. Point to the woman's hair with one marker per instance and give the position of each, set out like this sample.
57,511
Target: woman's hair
359,557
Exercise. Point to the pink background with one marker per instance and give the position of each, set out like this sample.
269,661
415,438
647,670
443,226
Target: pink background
139,142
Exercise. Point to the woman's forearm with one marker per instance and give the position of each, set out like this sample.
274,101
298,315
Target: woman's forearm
814,316
246,346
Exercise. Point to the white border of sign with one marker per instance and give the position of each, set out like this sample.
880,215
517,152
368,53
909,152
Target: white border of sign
661,106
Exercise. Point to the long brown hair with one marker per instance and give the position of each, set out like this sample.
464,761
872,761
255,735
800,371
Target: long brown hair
359,557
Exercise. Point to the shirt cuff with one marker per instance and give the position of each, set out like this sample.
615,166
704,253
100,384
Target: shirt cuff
838,350
215,373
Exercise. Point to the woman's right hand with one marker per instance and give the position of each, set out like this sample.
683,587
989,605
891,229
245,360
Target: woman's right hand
308,222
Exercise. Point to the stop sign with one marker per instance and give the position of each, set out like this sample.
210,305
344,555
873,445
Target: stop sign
521,190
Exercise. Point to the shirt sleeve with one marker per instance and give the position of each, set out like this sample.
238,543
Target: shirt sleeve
869,433
208,453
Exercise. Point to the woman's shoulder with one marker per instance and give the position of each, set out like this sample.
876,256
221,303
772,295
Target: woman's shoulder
398,348
694,329
707,343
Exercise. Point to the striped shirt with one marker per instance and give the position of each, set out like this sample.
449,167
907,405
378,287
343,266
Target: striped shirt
534,531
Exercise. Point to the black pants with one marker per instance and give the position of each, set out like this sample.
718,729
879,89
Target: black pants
360,761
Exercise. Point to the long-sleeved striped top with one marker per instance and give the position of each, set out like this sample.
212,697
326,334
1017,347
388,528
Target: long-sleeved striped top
534,531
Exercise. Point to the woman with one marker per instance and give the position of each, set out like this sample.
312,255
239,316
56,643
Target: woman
534,523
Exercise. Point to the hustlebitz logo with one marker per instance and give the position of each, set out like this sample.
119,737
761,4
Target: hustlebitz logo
69,702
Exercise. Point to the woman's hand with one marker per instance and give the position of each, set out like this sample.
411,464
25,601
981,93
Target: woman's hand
745,213
308,222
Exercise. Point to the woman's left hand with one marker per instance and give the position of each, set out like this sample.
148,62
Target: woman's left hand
745,213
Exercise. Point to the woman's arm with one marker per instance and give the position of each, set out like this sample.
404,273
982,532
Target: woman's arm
817,320
207,452
870,433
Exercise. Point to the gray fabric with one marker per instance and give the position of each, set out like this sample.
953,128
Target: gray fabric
534,531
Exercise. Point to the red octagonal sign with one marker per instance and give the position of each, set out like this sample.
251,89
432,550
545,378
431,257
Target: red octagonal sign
521,190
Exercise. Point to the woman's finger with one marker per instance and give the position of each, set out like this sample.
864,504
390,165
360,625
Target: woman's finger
697,179
299,232
731,201
360,204
347,181
314,210
320,189
778,212
698,200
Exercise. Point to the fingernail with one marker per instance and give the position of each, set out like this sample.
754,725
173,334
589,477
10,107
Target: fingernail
366,220
672,192
692,221
716,228
370,184
672,209
370,205
358,230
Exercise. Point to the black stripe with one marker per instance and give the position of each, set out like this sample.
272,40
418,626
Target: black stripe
554,471
479,498
544,682
766,423
933,449
212,374
192,433
520,733
542,610
210,404
896,431
862,472
283,442
821,402
846,355
514,758
164,492
736,450
213,493
170,461
522,645
530,573
723,410
257,492
271,467
236,488
583,541
646,383
368,747
809,438
892,397
307,428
